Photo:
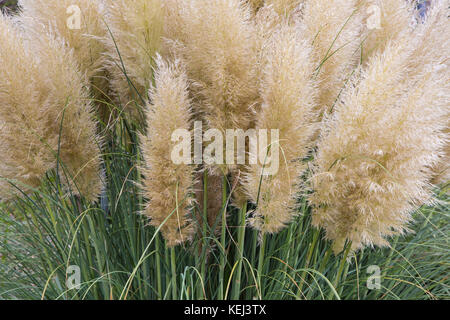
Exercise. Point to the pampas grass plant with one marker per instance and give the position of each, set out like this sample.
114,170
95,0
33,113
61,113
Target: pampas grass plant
216,40
362,114
217,43
16,162
168,187
375,156
289,96
365,188
45,16
333,28
47,120
135,30
80,24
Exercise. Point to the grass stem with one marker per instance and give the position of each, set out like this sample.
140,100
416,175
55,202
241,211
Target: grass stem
223,226
174,274
239,253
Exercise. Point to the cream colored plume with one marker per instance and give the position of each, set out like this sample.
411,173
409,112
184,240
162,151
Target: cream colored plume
45,113
374,159
288,94
80,24
168,186
384,20
284,7
432,54
333,27
216,39
135,28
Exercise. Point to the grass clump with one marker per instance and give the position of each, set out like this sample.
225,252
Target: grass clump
89,190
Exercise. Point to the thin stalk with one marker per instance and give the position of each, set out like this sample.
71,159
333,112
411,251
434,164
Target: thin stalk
322,266
89,256
167,265
158,267
205,230
141,233
174,274
341,268
325,259
99,248
253,260
286,257
344,277
239,253
308,260
261,257
222,239
254,246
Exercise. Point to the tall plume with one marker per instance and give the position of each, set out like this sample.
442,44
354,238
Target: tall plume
80,24
374,159
288,94
45,113
135,28
167,185
432,53
333,27
400,21
384,20
217,40
218,45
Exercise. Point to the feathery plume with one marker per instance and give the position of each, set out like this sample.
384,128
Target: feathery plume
135,28
217,40
168,186
333,27
384,20
266,21
45,112
71,115
284,7
24,161
217,43
288,93
80,23
173,25
374,158
442,169
433,52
